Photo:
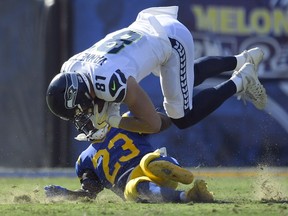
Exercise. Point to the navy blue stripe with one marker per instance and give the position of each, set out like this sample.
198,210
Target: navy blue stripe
179,48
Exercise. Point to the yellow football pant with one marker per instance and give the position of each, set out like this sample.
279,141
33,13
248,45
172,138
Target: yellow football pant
142,173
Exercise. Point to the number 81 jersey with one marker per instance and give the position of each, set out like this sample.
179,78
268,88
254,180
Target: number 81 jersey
112,60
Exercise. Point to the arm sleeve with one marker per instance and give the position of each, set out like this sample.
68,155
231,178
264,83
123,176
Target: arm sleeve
91,182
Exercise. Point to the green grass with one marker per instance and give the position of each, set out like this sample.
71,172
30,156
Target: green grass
261,193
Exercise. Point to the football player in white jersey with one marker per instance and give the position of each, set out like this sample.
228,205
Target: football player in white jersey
93,83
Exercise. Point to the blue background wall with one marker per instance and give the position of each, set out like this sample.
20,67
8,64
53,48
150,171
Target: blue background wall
35,40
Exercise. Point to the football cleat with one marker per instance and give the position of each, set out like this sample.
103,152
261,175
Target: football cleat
253,56
253,90
199,192
167,170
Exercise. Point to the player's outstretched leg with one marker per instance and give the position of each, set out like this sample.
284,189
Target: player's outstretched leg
252,90
168,170
210,66
199,192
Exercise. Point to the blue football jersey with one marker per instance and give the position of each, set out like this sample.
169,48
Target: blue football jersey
110,159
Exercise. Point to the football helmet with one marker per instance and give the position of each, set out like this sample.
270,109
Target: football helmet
68,97
67,93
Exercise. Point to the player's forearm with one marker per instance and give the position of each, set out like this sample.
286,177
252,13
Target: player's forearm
80,193
135,124
59,191
165,121
145,119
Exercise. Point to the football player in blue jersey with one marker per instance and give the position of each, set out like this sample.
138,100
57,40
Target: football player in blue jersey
126,163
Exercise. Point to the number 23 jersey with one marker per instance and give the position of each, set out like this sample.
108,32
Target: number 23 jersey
110,159
112,60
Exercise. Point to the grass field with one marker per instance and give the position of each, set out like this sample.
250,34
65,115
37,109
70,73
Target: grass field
257,191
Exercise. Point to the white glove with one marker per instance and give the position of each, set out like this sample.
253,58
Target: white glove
110,114
93,135
113,114
99,118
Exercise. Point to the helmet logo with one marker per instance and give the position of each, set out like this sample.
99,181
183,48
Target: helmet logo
71,92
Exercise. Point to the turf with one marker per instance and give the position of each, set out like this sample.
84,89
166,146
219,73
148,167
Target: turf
237,192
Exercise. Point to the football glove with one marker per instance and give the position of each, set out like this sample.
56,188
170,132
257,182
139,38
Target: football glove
55,190
99,118
113,114
110,114
94,135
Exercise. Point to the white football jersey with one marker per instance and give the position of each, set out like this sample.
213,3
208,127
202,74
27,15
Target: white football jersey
119,55
155,43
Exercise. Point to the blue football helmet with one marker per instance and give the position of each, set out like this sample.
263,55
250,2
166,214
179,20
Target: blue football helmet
68,97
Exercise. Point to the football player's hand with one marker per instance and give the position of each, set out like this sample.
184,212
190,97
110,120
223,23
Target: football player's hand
93,135
99,118
110,114
113,113
55,190
98,134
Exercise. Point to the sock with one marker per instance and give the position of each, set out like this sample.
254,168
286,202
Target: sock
238,82
183,197
240,61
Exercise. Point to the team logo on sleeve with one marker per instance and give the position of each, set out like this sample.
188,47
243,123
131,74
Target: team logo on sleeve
71,92
117,86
